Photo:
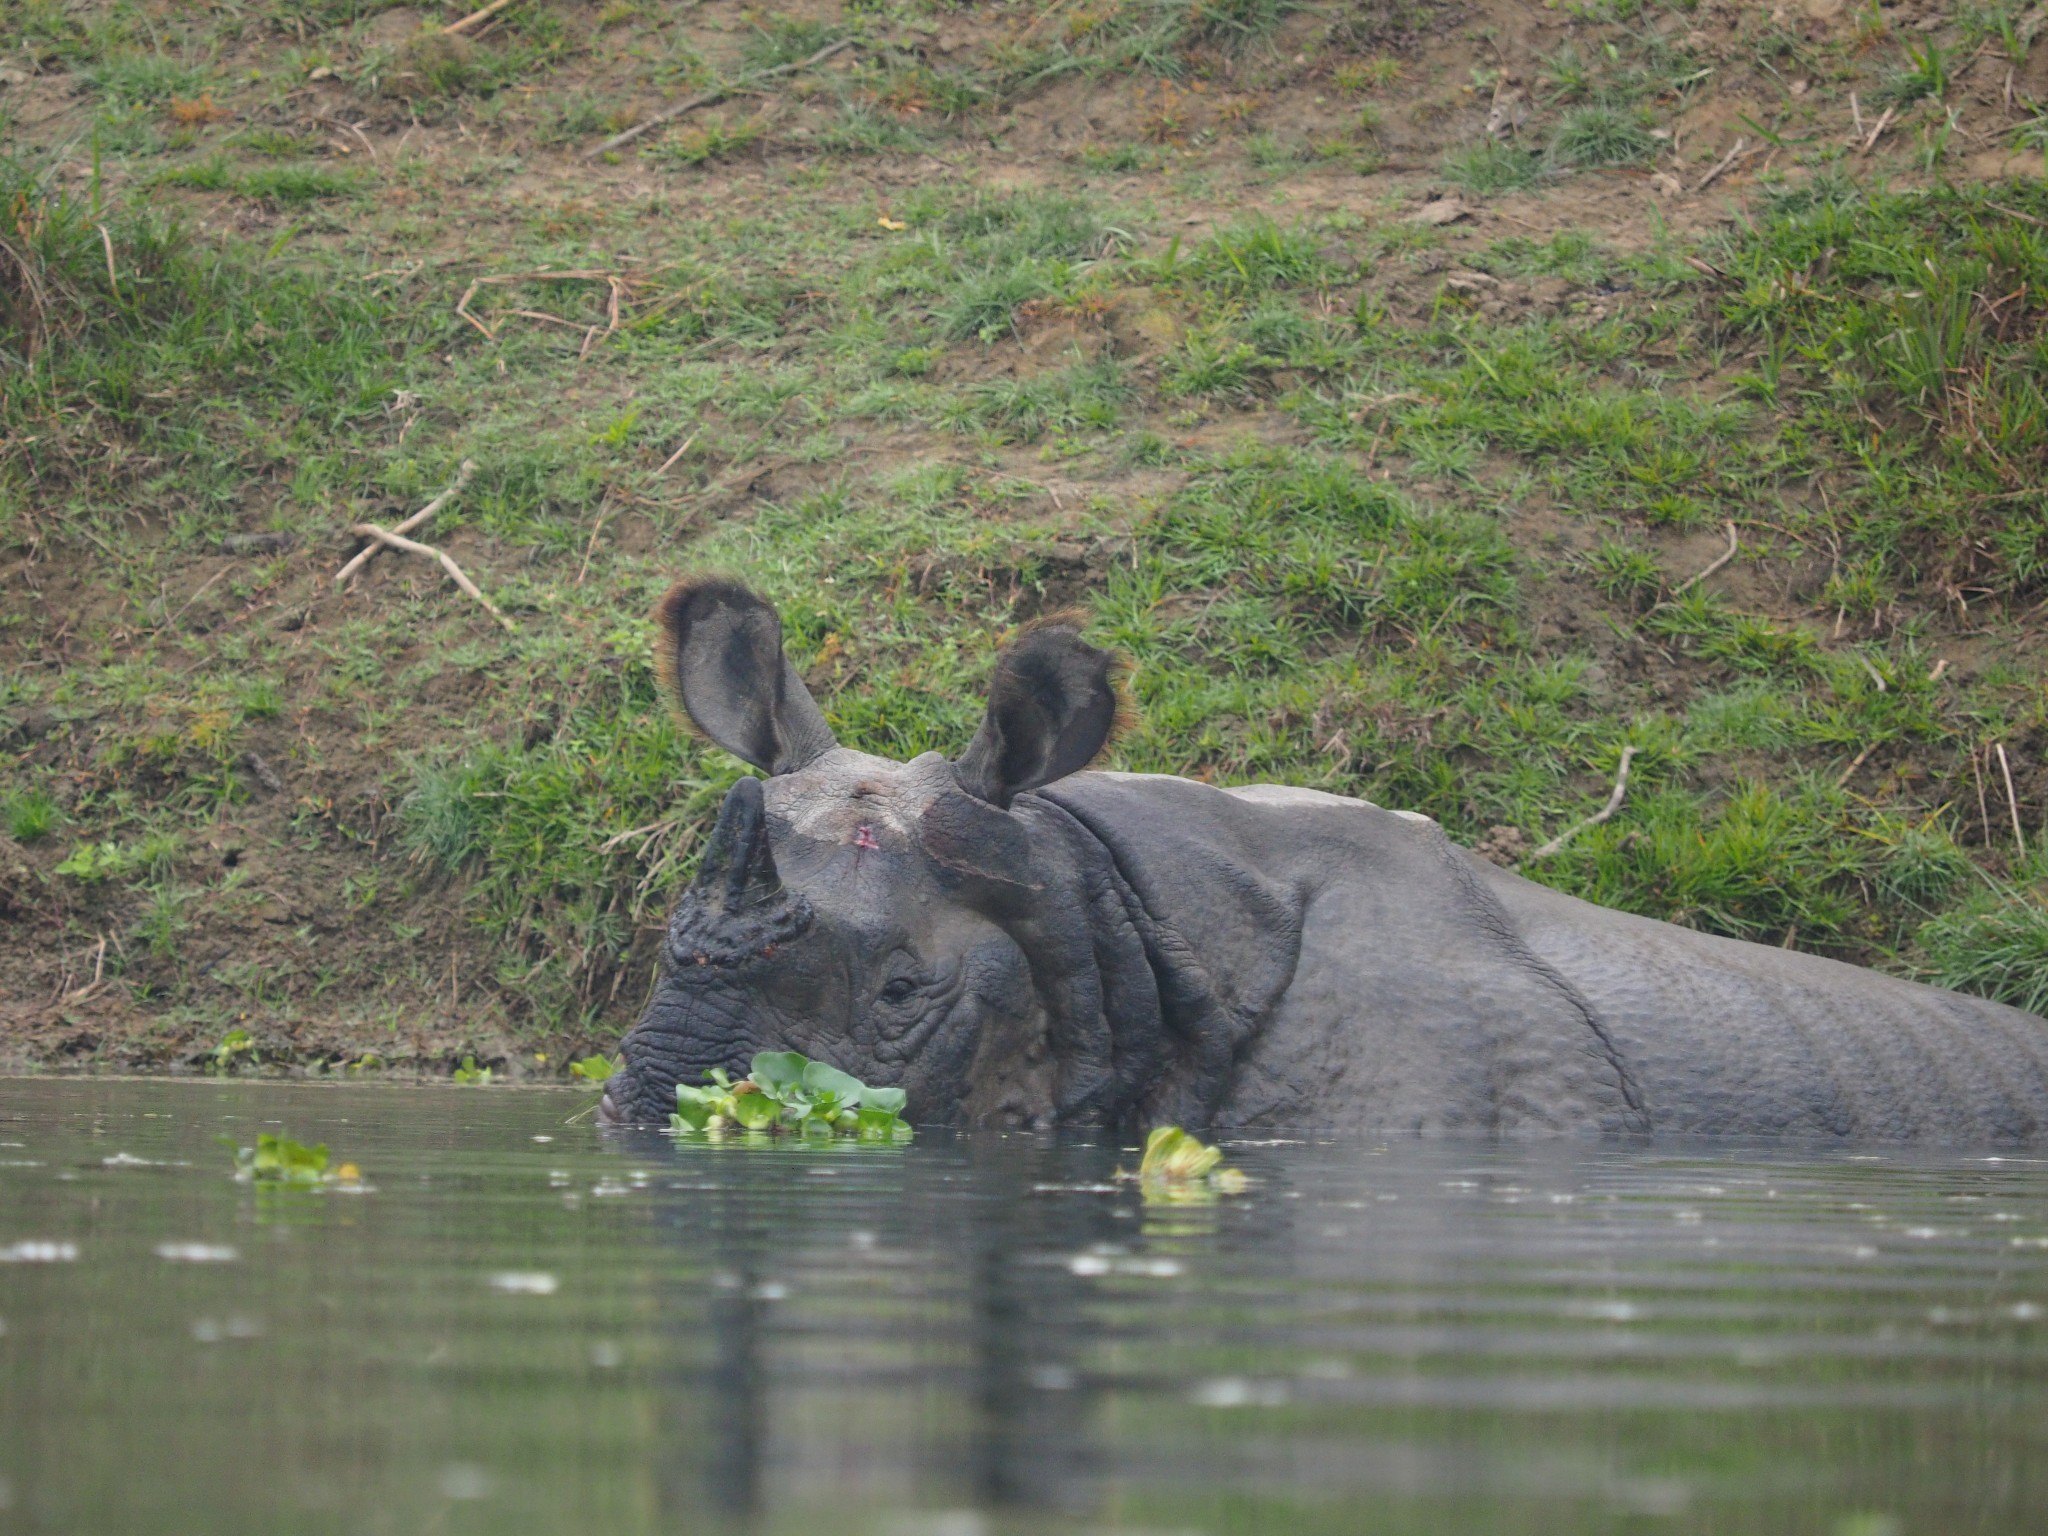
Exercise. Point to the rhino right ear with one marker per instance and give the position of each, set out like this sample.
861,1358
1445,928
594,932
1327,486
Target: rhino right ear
1053,704
721,659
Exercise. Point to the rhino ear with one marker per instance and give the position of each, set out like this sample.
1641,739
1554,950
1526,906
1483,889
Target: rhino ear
721,659
1053,704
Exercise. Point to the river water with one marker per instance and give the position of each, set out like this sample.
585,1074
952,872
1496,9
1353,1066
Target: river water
521,1325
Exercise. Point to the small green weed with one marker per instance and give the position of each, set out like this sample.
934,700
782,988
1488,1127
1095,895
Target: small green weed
1255,257
235,1046
1600,135
277,1159
32,814
1491,168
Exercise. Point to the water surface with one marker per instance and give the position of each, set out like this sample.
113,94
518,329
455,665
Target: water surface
522,1326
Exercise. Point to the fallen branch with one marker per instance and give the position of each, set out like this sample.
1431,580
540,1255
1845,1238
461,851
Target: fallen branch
2012,800
1726,556
368,551
1722,165
616,283
1849,772
2014,213
669,462
351,127
474,17
396,541
711,97
1606,811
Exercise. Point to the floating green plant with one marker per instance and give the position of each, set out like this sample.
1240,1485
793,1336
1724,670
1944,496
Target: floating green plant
787,1093
1178,1167
592,1069
280,1160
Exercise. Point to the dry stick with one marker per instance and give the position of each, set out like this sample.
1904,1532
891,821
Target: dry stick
580,275
107,241
1613,804
1726,556
708,98
1849,772
1856,115
474,17
1722,164
351,127
669,463
1983,810
2011,800
216,576
1878,132
2014,213
604,511
386,536
369,551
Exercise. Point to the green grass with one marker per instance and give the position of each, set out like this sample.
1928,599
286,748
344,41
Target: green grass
1491,168
1599,135
1358,526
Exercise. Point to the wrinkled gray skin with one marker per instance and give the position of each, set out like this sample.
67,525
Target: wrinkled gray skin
1017,943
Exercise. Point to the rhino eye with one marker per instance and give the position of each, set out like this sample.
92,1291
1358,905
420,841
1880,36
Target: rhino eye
899,990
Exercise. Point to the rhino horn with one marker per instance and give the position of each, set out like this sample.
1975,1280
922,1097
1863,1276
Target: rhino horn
737,873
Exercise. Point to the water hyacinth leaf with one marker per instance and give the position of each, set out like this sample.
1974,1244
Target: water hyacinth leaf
592,1069
695,1106
874,1123
280,1160
889,1101
1173,1155
844,1087
777,1070
788,1093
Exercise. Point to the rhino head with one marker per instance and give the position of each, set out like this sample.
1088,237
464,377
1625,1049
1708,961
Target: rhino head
914,923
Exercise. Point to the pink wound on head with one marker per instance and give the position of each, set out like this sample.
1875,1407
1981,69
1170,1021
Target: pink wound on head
864,837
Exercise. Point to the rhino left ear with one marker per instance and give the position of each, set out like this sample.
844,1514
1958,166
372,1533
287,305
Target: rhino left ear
721,657
1053,704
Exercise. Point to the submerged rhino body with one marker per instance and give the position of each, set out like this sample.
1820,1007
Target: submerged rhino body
1016,941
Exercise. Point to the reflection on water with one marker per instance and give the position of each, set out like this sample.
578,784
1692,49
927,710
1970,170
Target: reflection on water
522,1327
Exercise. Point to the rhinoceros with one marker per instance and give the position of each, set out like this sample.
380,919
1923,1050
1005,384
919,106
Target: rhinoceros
1015,941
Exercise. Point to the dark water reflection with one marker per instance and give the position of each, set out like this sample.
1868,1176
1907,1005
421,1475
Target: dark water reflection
986,1335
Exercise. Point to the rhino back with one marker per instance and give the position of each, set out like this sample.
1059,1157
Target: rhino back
1402,1001
1404,984
1726,1036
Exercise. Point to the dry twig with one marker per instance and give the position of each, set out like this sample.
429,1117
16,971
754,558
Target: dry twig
669,463
474,17
714,95
1726,556
1613,804
1878,132
616,283
1722,164
2012,800
369,551
386,536
1860,759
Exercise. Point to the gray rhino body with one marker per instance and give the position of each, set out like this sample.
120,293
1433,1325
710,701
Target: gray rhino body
1015,941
